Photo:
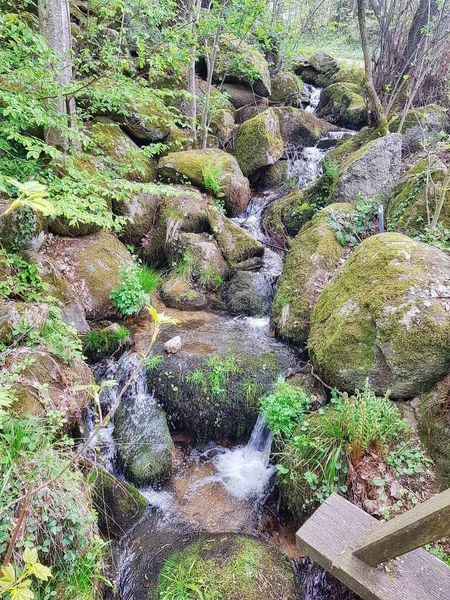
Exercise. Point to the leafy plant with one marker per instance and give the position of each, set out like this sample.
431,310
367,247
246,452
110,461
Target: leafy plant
32,194
285,407
130,297
351,227
439,237
15,583
213,177
105,341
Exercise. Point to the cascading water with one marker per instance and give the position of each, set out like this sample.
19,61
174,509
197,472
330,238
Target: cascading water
312,93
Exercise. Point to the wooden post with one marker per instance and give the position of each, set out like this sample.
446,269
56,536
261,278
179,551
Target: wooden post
427,522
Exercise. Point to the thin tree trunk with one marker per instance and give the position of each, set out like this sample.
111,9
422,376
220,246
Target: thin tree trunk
375,102
54,24
192,16
210,62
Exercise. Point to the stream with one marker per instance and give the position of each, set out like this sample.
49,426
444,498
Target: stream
215,488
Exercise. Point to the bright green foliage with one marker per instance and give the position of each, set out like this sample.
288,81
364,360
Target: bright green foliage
213,178
439,237
32,194
149,279
98,342
60,524
137,285
285,407
16,583
213,378
352,227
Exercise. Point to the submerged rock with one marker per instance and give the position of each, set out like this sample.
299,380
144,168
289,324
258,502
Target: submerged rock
193,165
259,142
314,256
385,316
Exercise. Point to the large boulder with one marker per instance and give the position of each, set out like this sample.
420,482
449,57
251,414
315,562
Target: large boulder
299,127
349,73
259,142
240,62
286,215
414,199
14,313
284,84
314,257
45,383
92,266
249,293
342,103
370,172
21,229
385,316
242,95
208,387
72,311
236,245
143,439
119,150
140,209
422,126
192,165
317,69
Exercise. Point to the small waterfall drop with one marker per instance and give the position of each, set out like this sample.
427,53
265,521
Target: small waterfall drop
311,92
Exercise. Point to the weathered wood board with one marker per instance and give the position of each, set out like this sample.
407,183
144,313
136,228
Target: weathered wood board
338,528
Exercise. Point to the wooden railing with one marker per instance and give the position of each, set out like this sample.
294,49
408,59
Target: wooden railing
381,561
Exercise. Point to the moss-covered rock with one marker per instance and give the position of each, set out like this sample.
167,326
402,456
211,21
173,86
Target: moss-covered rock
249,293
422,125
385,317
178,292
236,567
120,151
342,103
349,73
434,426
283,85
370,172
119,505
299,127
259,142
314,256
242,95
286,215
45,383
12,313
72,311
209,387
317,68
92,266
21,229
274,176
240,62
248,112
414,198
140,209
222,125
193,165
236,245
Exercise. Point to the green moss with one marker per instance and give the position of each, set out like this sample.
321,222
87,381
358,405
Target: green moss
227,566
379,319
283,85
286,215
314,255
259,142
236,245
350,74
343,103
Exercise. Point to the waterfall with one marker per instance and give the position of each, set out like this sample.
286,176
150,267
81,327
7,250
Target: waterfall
260,441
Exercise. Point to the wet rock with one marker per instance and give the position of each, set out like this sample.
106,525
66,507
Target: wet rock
299,127
274,176
236,245
119,505
123,155
249,294
206,388
287,214
416,195
284,84
178,292
422,125
370,172
343,104
385,316
313,258
92,267
259,142
72,311
172,346
46,383
236,59
191,165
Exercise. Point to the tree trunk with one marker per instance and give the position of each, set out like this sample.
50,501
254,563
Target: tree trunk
374,100
210,62
54,24
193,8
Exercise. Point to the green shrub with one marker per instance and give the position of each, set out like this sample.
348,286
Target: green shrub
284,407
99,342
352,227
131,296
149,279
213,176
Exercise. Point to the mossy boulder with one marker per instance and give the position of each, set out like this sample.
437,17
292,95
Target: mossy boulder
416,195
314,256
222,125
119,505
343,104
92,266
349,73
241,95
274,176
259,142
72,311
317,68
286,215
178,292
12,313
140,209
208,387
422,125
21,229
249,293
385,316
237,567
299,127
241,62
192,165
46,383
370,172
433,415
143,439
121,153
236,245
284,84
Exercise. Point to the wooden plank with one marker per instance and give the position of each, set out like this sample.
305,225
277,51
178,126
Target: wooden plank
425,523
338,527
